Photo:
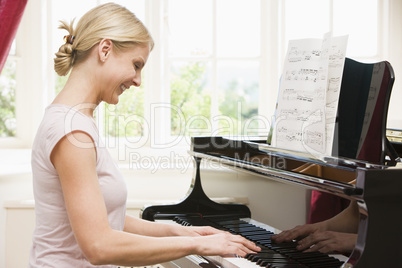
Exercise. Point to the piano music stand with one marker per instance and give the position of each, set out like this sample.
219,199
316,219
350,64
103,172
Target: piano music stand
360,129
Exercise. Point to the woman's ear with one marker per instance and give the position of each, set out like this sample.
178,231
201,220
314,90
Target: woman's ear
104,49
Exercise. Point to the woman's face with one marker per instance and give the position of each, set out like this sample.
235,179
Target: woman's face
123,71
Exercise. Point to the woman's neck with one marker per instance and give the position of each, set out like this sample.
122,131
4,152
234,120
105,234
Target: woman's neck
79,92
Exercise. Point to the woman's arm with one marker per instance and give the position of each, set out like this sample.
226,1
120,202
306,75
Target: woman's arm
156,229
346,221
101,244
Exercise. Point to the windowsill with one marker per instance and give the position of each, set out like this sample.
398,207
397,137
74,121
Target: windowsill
126,155
131,203
17,160
11,143
14,162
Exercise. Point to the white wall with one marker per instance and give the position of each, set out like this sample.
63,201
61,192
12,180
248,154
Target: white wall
15,184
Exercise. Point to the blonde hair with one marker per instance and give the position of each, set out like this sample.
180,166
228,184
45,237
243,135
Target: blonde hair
109,21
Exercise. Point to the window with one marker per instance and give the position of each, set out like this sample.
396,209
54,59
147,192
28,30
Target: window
214,70
214,60
8,81
313,18
363,32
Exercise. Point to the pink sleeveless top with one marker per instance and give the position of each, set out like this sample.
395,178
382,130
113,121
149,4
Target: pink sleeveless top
53,242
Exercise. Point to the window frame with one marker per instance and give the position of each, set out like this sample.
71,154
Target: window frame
35,63
31,82
268,61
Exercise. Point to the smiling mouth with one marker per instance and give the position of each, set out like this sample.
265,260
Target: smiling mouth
123,88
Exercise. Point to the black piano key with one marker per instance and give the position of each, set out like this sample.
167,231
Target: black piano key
322,263
242,230
267,262
265,243
256,232
306,255
239,225
302,254
267,250
196,221
285,245
288,251
229,222
314,259
273,256
257,237
285,265
326,265
250,256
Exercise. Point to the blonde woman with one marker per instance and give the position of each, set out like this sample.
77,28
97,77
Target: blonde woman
80,194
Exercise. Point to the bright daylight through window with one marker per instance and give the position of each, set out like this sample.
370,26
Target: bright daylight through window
211,58
7,96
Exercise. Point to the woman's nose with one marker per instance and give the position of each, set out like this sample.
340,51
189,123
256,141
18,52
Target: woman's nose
137,79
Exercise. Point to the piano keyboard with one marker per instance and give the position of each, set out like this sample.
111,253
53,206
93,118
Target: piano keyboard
272,255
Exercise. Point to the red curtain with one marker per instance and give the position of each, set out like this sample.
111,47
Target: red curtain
10,16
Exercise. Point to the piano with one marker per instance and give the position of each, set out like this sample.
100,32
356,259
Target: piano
365,167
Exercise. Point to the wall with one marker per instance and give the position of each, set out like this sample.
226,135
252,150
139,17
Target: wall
15,184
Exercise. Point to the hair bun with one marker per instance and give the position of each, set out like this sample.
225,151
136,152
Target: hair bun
64,59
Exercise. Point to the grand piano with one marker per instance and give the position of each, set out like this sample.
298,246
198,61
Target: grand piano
364,168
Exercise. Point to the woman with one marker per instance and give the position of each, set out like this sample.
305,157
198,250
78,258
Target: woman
80,194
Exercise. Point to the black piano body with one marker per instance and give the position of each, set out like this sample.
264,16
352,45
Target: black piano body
363,168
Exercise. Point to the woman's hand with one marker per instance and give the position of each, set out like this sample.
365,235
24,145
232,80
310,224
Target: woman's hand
327,242
315,237
199,231
211,241
224,244
298,232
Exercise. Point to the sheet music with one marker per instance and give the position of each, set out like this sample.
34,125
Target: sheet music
308,95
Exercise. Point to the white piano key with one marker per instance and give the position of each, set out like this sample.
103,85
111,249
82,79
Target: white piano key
231,262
